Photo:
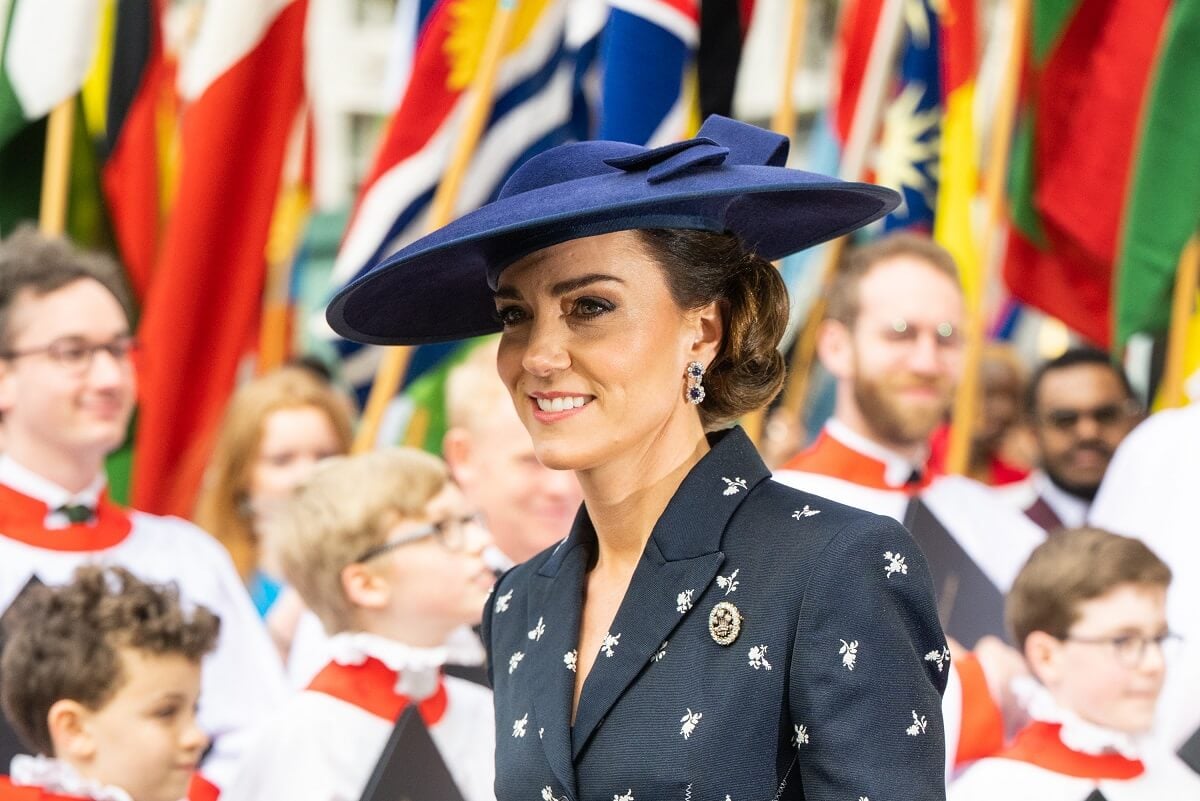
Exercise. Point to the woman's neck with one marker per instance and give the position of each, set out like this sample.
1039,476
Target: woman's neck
624,501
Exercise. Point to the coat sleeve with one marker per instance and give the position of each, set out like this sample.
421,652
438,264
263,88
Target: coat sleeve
868,669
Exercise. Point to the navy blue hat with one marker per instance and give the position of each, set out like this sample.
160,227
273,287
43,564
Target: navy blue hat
730,178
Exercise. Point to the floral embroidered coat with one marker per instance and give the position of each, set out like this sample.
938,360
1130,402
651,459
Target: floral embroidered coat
831,691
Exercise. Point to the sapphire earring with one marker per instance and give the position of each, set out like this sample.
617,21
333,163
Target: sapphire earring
695,379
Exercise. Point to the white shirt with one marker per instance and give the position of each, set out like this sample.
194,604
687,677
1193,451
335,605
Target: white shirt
242,679
1070,509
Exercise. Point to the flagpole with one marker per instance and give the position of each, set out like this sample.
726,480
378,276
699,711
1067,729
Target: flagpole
395,360
56,172
862,133
783,122
1183,302
966,396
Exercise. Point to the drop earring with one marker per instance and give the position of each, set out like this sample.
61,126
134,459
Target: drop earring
695,379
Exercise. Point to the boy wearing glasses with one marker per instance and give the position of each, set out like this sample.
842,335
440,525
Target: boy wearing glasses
67,388
1089,610
383,548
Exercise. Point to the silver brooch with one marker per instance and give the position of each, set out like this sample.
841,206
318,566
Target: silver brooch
724,623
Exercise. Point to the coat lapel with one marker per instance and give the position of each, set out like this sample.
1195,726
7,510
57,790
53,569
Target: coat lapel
680,561
555,602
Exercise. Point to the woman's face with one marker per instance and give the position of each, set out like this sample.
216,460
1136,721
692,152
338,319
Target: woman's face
594,351
293,441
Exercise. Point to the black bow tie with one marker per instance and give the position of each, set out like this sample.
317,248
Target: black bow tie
77,513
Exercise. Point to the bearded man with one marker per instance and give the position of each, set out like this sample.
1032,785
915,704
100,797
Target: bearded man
892,339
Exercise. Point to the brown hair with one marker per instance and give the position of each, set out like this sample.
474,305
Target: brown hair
843,301
347,507
1070,568
64,643
703,267
31,262
221,508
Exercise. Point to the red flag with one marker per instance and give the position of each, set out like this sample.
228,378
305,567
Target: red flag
855,38
245,87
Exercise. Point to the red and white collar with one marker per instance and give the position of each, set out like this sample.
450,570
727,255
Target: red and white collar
58,777
842,453
360,676
20,478
24,517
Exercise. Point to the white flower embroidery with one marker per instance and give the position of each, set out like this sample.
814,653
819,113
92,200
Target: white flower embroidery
849,652
918,725
801,736
513,661
662,651
548,794
541,734
863,798
538,630
611,641
896,564
735,486
683,601
571,659
807,511
758,658
729,583
519,725
502,602
940,657
625,796
689,720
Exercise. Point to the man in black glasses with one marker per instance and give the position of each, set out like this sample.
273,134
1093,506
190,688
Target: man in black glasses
67,390
1080,406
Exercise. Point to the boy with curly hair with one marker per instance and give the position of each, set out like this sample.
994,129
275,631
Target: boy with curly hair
101,679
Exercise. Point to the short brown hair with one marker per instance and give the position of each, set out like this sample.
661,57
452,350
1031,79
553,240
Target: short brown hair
1070,568
842,303
63,643
702,268
221,508
347,507
31,262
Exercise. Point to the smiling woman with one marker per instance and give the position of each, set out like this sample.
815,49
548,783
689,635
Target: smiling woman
754,638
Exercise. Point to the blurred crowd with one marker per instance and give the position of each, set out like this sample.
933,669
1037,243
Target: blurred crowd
265,649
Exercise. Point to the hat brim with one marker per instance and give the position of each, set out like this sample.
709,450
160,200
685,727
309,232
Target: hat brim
437,288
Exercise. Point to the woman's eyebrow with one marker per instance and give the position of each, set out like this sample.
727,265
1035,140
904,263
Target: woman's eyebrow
572,284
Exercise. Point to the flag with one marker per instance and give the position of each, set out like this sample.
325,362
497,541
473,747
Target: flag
1163,208
532,111
241,82
857,24
1088,68
647,58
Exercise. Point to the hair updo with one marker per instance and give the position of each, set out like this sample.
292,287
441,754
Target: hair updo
702,267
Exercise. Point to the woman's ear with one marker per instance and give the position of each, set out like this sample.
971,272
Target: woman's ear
364,587
70,734
708,327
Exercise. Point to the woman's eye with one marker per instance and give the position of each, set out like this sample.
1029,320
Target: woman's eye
592,307
509,315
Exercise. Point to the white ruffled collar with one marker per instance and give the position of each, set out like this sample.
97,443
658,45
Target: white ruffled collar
1076,733
418,669
56,776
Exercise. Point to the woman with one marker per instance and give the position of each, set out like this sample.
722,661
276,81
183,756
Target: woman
276,429
703,633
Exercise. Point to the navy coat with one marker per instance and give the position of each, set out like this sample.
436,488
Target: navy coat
831,691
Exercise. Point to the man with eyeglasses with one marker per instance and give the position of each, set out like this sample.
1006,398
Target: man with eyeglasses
1080,406
67,390
1089,612
891,339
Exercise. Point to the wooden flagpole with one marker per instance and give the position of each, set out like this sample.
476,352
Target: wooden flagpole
1183,303
56,172
784,123
862,133
395,359
966,396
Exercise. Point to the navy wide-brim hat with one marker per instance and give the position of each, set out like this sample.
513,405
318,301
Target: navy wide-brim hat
730,178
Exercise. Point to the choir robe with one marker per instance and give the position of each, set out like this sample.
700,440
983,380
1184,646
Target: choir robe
242,679
326,740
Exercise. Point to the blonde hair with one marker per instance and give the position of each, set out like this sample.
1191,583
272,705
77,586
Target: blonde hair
221,509
346,507
473,389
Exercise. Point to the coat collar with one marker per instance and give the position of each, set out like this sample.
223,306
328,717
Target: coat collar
681,559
